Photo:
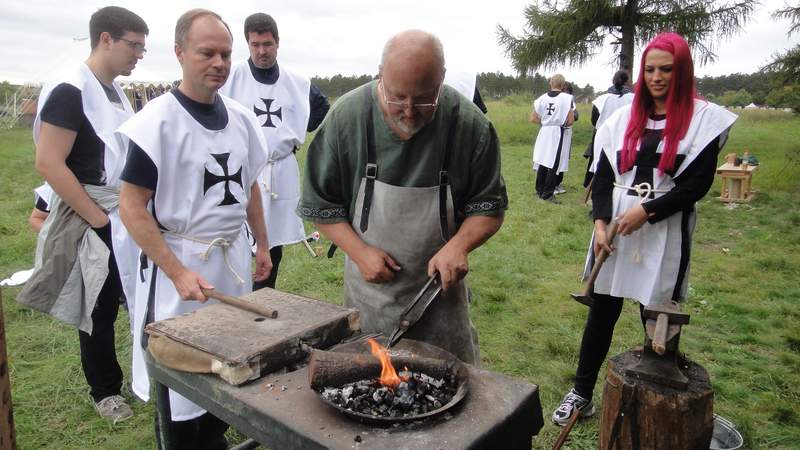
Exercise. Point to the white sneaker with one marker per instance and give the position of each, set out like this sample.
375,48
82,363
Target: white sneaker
559,189
114,408
569,405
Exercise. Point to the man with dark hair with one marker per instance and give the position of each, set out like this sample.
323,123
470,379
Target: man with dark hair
193,163
287,106
78,269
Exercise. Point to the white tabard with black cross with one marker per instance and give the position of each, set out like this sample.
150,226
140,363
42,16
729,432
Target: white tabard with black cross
282,110
606,105
646,265
461,80
553,112
202,193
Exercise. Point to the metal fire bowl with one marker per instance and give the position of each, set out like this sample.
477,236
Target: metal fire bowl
408,348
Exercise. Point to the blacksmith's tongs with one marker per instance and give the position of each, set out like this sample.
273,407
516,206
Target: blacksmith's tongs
417,307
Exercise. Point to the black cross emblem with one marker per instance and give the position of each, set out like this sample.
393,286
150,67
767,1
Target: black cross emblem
551,108
647,159
268,104
210,179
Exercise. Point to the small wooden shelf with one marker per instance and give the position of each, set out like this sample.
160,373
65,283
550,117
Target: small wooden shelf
736,182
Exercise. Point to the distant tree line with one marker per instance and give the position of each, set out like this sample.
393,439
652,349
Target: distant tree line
760,88
493,85
338,85
498,85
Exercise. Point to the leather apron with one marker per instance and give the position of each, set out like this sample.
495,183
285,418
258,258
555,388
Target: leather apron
411,224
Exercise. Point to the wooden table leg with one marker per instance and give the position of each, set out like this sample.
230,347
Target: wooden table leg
7,434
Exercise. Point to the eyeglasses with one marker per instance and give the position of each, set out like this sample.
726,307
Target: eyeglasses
137,47
418,106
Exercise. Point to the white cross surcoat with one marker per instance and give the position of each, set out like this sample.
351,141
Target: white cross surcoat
203,189
553,112
283,110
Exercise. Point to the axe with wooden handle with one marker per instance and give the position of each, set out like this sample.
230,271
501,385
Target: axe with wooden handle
586,296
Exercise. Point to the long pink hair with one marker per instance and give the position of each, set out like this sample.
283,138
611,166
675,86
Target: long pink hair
680,103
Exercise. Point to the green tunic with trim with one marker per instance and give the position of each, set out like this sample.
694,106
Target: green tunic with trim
337,157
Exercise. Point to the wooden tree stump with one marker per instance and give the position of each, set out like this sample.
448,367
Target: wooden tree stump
639,414
7,433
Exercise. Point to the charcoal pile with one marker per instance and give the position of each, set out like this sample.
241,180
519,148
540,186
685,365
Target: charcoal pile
417,394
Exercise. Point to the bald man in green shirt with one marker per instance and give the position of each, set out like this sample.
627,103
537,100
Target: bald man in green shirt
404,176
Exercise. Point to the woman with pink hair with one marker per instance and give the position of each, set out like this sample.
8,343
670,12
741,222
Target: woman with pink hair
657,157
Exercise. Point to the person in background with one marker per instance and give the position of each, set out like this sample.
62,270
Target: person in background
287,106
79,157
566,148
618,95
553,110
466,83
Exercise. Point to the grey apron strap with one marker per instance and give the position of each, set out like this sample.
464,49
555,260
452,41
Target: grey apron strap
150,311
371,170
444,178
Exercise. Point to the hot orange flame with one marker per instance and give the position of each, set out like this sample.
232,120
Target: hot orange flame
389,377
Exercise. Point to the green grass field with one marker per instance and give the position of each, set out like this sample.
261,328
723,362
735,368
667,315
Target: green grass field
745,327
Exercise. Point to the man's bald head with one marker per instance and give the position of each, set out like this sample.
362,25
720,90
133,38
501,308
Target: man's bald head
414,51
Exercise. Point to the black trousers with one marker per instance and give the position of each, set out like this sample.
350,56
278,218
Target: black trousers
547,180
206,432
98,352
276,254
596,341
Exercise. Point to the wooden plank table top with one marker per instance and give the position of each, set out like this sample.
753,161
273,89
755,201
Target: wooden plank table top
731,168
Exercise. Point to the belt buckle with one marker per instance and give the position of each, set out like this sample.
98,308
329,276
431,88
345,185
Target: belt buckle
372,171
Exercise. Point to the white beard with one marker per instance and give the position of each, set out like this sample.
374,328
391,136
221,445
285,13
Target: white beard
405,128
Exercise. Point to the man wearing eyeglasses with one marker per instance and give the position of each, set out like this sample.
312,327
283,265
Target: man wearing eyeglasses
80,273
404,176
287,106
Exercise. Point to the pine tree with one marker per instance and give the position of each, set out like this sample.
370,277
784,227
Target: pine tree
572,31
787,65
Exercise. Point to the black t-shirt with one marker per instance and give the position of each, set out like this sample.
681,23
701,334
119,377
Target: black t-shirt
140,169
64,109
42,205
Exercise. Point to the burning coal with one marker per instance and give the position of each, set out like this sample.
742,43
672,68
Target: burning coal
418,395
393,394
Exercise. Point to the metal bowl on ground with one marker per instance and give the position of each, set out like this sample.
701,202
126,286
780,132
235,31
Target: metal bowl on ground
409,348
725,435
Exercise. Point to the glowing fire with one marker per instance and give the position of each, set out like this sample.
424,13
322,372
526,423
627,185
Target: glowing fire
389,377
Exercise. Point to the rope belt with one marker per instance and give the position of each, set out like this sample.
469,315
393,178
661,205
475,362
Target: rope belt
271,162
270,188
643,190
220,242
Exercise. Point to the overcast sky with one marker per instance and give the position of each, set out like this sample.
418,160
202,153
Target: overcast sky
324,37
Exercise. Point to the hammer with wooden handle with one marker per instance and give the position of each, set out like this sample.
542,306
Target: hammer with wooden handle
239,303
660,334
586,296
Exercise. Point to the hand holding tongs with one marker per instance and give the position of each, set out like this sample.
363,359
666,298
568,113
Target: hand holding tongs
416,308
